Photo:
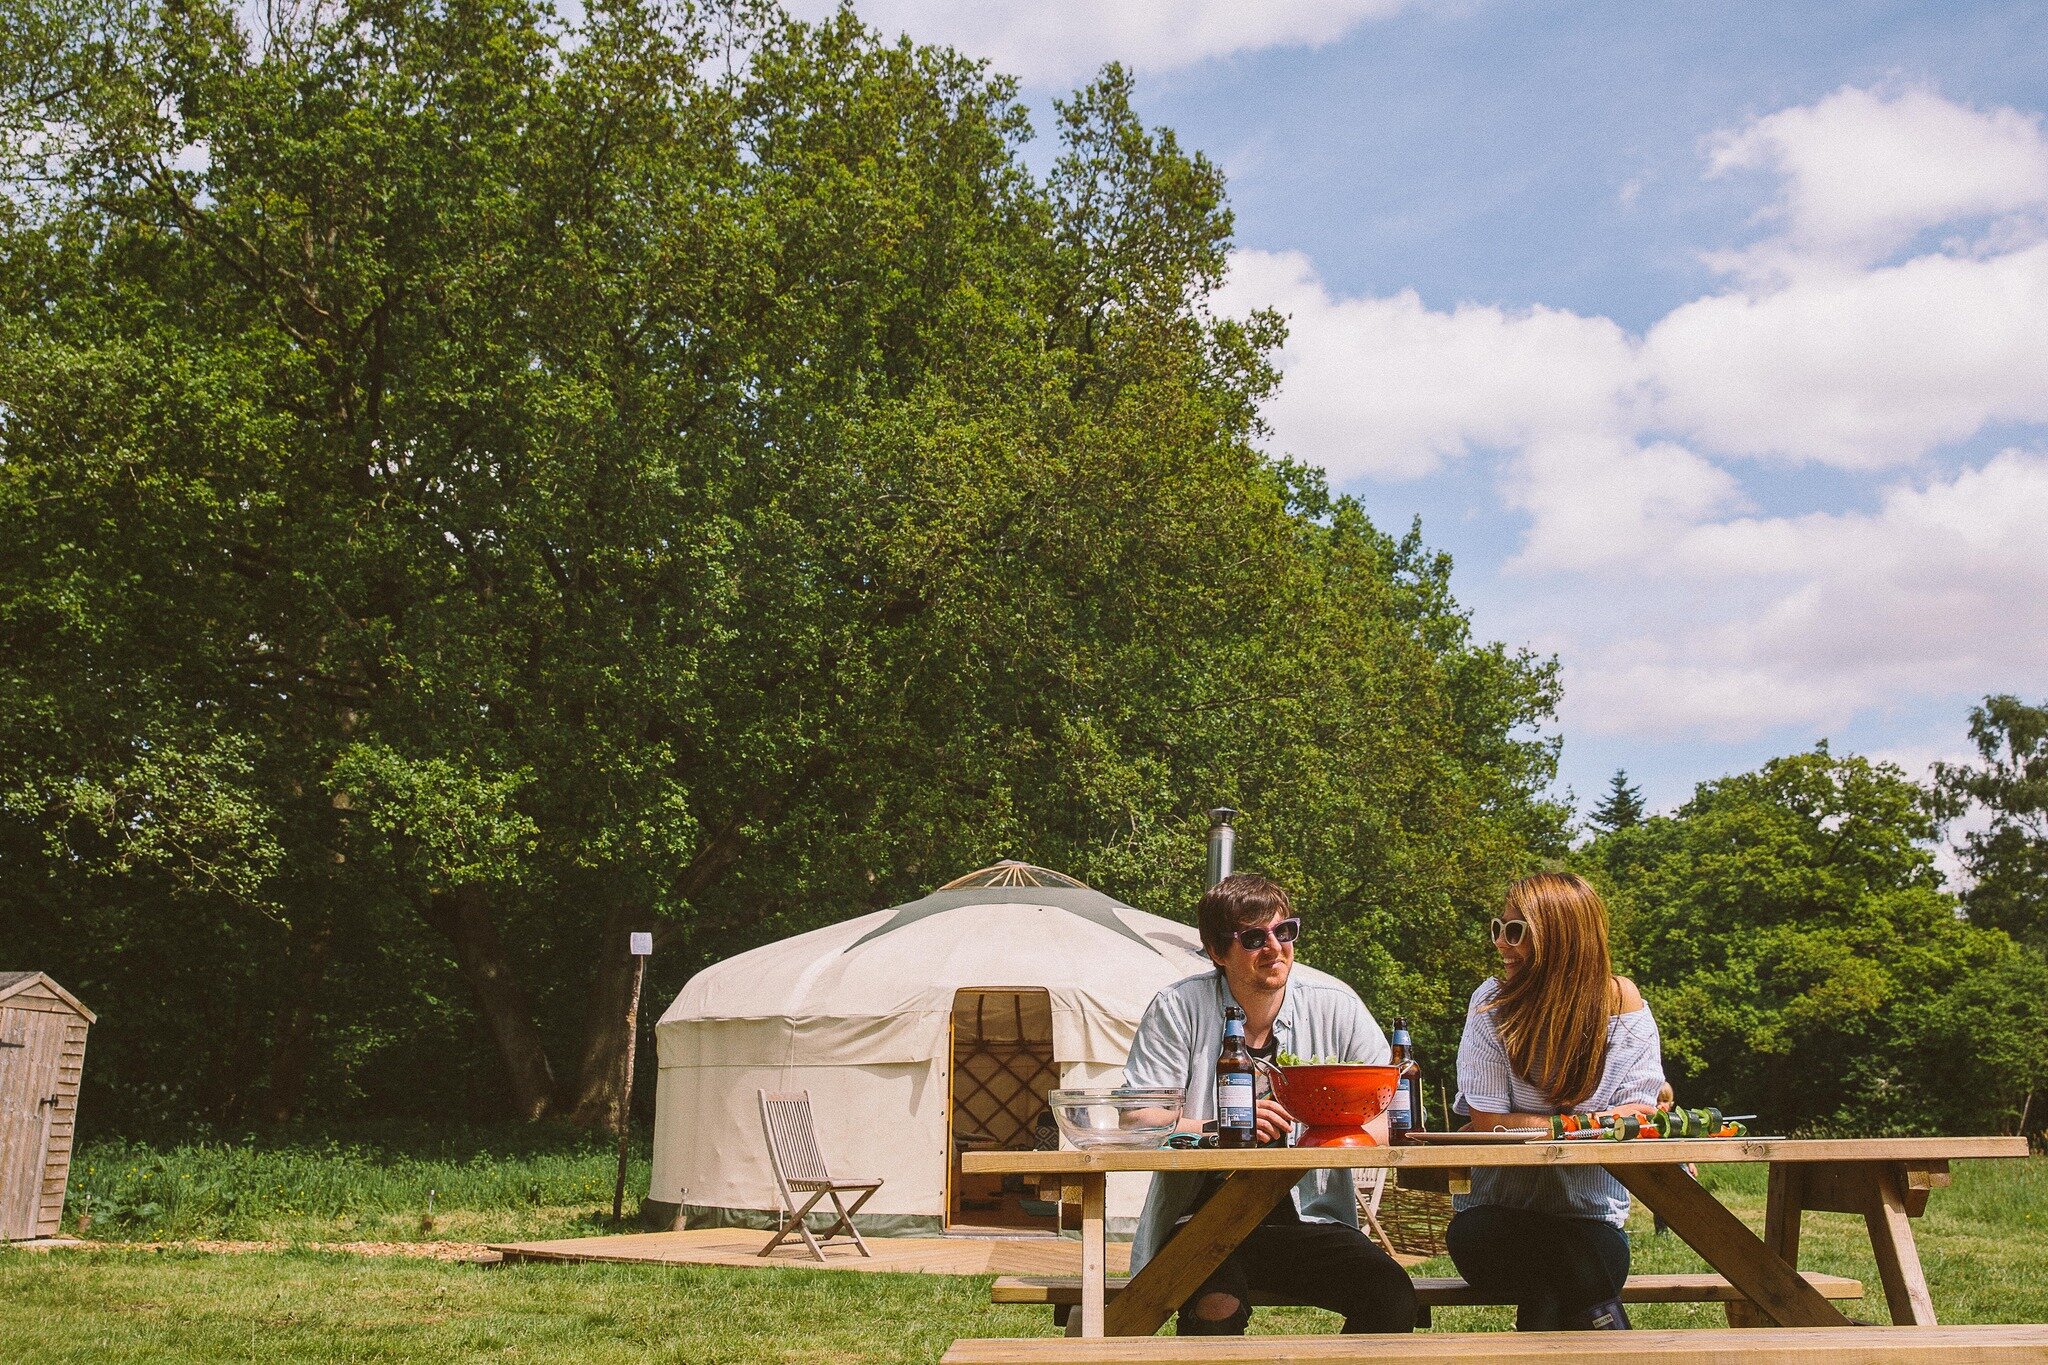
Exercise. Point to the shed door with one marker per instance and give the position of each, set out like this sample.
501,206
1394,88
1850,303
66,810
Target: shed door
30,1042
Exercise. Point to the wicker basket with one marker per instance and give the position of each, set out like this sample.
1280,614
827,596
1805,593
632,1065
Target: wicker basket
1409,1222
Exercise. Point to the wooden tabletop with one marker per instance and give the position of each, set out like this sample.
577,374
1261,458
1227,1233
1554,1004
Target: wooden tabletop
1595,1152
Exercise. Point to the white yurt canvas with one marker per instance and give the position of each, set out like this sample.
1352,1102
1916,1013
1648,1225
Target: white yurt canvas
919,1031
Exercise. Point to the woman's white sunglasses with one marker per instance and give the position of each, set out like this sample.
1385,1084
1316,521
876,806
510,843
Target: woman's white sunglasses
1509,931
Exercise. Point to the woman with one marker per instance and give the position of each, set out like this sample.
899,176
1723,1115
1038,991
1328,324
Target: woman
1555,1032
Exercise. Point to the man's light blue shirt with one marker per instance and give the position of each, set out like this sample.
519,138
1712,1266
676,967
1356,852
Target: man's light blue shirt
1177,1043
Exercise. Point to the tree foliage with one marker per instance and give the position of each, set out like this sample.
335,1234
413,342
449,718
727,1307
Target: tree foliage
2008,859
1622,806
481,484
1791,931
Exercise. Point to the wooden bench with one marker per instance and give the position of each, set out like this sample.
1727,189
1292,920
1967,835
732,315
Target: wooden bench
1064,1292
1691,1346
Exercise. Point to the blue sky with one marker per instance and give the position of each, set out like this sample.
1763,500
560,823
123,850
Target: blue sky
1711,340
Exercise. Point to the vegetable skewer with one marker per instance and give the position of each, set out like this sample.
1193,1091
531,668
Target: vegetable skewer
1669,1123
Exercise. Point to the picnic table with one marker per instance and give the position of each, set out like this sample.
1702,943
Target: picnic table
1886,1180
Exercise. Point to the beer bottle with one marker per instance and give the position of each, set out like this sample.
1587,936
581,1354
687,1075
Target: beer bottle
1236,1115
1405,1113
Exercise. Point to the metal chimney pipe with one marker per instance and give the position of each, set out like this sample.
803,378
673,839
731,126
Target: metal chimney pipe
1222,844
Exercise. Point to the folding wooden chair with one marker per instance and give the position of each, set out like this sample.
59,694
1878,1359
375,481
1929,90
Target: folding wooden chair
800,1169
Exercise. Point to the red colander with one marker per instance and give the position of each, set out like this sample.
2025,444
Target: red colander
1336,1102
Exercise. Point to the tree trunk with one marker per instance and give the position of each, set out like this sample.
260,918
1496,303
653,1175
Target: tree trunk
463,916
595,1098
291,1054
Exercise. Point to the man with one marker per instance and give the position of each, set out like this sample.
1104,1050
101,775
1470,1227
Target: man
1309,1247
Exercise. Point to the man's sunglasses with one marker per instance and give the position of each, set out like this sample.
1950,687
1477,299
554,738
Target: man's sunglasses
1286,931
1509,931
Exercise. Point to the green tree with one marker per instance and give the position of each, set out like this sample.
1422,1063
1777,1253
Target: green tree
1790,930
2008,860
1622,807
485,485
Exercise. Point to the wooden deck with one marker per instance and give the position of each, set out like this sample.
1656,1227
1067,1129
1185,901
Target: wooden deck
901,1255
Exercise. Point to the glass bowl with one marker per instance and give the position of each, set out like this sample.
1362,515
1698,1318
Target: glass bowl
1126,1117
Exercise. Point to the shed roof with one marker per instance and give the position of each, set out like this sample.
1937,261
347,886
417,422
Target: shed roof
14,983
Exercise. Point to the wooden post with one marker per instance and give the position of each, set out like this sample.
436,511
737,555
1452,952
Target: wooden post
1729,1247
1094,1253
1783,1204
1898,1259
1193,1253
640,945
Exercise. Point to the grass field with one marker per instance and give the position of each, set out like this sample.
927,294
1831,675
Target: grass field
372,1184
1984,1243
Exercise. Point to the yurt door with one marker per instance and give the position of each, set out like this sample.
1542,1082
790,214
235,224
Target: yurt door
1003,1071
30,1042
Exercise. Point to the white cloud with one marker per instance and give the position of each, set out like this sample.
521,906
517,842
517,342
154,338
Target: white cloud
1678,608
1610,502
1941,585
1943,588
1860,369
1390,388
1059,42
1866,171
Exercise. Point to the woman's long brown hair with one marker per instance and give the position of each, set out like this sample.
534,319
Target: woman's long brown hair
1552,1012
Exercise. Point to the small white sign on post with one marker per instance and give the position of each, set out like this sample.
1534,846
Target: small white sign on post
643,945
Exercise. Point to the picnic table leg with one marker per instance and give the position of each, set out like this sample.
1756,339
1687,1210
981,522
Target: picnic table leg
1094,1253
1898,1256
1783,1206
1193,1253
1707,1226
1888,1194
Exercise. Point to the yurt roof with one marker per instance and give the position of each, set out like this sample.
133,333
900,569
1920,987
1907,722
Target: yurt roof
1010,872
1002,932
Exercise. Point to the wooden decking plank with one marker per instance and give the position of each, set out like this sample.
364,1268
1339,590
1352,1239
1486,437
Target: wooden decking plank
1050,1256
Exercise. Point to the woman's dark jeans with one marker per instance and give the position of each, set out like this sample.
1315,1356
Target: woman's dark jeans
1550,1268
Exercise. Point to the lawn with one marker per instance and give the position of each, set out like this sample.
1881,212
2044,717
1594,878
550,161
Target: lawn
383,1182
1984,1243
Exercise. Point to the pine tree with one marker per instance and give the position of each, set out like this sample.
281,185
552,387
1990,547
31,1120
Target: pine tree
1623,806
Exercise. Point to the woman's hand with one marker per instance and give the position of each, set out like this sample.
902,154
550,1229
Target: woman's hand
1633,1111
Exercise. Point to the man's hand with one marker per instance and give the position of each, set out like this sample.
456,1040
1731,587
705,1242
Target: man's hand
1271,1121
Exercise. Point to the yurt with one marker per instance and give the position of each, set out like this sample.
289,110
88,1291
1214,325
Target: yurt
936,1027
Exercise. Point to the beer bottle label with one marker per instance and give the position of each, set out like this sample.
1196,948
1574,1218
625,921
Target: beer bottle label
1234,1101
1401,1114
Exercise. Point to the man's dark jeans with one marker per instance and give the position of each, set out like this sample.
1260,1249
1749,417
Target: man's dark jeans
1327,1265
1551,1268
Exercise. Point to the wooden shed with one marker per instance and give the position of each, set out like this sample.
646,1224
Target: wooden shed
42,1052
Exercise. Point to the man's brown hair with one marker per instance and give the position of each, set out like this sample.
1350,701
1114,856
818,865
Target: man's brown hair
1238,902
